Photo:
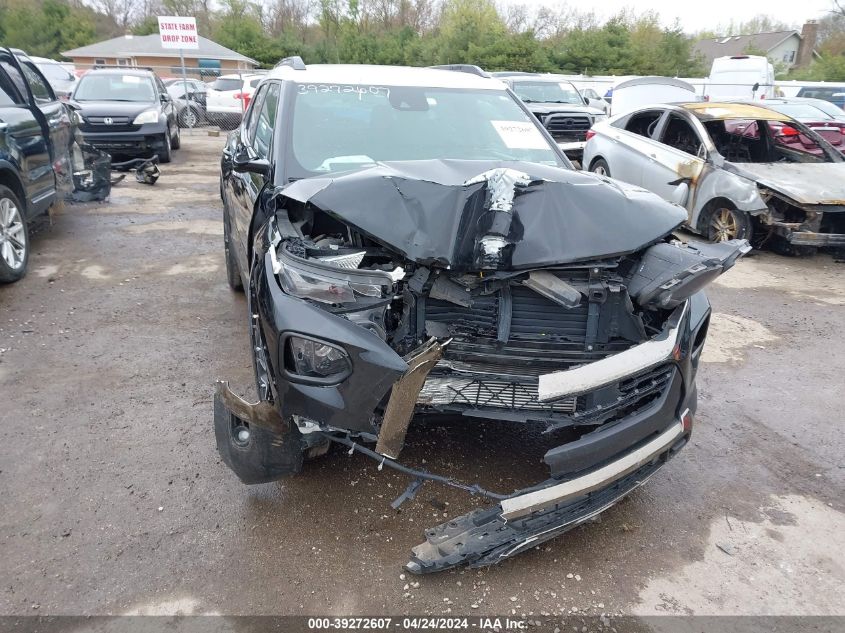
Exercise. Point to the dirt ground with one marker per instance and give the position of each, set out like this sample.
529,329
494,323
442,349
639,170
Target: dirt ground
115,501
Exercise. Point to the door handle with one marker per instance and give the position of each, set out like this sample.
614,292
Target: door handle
653,155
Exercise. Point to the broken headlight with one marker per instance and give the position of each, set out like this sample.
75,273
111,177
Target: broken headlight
306,286
324,281
312,358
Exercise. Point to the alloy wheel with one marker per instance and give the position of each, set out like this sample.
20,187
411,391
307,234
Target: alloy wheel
12,235
189,118
723,225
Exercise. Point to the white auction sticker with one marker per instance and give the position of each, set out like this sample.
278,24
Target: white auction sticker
520,135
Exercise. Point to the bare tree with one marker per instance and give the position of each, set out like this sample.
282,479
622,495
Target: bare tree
289,15
123,12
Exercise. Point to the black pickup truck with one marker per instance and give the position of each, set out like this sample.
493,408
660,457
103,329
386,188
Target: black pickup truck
36,151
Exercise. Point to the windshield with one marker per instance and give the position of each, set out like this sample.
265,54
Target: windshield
113,87
547,92
340,127
800,111
54,72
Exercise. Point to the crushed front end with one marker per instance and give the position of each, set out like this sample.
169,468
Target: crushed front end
461,305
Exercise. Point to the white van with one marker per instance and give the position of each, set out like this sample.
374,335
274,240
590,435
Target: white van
741,77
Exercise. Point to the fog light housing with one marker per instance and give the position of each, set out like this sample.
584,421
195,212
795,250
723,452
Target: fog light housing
316,360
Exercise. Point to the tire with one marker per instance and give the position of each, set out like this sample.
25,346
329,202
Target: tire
189,117
177,142
166,154
600,167
260,362
722,223
14,237
233,272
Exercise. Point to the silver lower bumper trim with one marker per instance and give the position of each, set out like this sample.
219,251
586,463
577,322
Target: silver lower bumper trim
574,382
539,499
573,145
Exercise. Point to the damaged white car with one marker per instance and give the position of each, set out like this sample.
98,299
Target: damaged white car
413,241
740,170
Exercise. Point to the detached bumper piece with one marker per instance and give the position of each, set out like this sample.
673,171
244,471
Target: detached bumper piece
488,536
806,238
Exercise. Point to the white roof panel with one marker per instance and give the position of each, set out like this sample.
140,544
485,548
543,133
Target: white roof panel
367,75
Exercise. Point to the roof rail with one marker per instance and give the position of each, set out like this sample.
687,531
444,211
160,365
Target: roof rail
105,66
294,62
472,69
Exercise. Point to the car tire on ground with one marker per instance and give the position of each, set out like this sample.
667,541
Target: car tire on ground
177,139
600,167
14,237
233,274
166,154
722,223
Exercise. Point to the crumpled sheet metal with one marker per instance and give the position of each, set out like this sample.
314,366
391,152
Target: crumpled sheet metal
403,399
427,211
261,413
91,174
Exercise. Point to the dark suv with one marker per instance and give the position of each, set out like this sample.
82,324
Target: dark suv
412,241
36,134
126,112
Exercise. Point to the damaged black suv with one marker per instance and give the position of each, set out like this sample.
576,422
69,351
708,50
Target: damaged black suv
413,241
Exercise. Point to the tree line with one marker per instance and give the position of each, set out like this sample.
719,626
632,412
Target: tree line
412,32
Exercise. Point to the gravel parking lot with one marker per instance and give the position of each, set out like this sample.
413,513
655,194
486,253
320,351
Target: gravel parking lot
115,500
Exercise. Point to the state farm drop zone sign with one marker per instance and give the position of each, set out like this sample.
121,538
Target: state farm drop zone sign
178,32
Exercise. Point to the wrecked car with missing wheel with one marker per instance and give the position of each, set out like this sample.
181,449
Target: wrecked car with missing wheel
413,241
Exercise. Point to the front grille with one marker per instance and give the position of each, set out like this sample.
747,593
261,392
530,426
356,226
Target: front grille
117,145
568,127
632,394
118,124
488,394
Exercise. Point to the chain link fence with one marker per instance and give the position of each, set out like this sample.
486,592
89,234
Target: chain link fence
205,100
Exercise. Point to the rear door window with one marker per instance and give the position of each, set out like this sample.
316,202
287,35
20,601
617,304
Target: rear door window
679,134
40,88
643,123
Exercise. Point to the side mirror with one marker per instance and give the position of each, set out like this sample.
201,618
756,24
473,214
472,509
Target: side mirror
247,161
164,97
755,87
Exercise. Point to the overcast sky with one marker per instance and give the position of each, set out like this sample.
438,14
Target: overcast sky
696,15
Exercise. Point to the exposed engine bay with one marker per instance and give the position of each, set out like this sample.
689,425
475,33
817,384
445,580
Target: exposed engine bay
377,296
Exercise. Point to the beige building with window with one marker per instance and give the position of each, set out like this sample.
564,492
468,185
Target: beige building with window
207,61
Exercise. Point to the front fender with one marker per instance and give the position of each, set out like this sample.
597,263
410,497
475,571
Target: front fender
720,182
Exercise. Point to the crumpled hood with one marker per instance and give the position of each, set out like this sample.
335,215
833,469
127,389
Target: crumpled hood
805,183
438,212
